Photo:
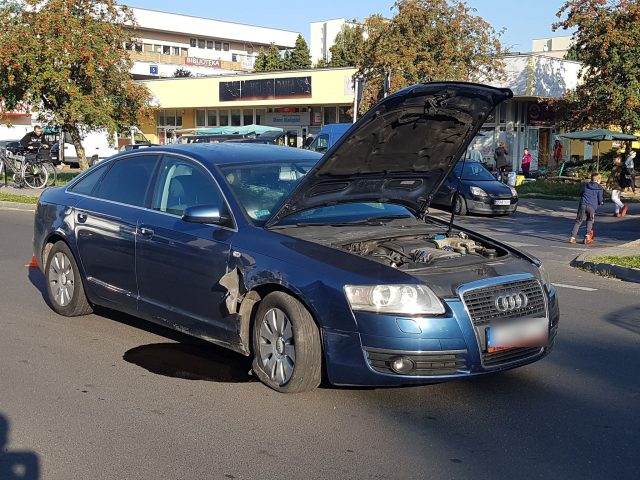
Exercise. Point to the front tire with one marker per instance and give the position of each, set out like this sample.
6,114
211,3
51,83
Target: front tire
64,283
286,345
460,206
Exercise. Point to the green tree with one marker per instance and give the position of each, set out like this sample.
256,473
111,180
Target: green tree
274,60
260,64
608,39
299,58
428,40
68,59
182,73
348,48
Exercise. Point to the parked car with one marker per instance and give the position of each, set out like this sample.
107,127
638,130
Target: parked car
307,263
267,138
12,146
328,136
471,188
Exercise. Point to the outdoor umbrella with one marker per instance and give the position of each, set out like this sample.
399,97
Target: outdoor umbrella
597,135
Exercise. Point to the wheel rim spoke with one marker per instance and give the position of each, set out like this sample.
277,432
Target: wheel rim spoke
276,347
62,279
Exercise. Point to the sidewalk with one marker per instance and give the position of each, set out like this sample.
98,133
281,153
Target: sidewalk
586,260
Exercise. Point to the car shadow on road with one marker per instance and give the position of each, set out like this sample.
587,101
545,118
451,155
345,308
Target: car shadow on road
627,318
16,465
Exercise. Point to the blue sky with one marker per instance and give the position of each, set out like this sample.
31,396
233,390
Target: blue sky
523,20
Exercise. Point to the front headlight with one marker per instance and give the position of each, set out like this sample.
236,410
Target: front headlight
394,299
478,192
544,277
514,192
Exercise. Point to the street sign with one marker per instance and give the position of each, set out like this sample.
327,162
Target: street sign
153,69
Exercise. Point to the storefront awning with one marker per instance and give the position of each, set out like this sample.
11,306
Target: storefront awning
246,130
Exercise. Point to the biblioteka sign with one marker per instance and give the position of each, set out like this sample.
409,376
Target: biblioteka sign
203,62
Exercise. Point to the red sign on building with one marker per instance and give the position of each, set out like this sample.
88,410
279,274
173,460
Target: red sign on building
203,62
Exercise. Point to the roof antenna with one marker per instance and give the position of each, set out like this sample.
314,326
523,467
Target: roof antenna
455,198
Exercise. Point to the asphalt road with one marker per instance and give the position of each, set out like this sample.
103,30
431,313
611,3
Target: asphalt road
110,397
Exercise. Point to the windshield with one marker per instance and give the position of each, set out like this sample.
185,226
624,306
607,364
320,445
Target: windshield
348,213
261,187
473,171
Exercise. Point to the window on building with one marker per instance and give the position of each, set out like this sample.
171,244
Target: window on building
344,116
235,118
148,47
201,118
260,113
250,50
209,44
201,43
225,46
212,118
224,118
329,115
194,43
166,50
137,47
158,48
218,45
176,51
503,112
170,118
234,57
247,117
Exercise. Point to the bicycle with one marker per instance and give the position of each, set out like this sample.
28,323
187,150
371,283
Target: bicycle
27,170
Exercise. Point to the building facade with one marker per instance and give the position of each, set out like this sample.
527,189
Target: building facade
322,36
300,102
169,41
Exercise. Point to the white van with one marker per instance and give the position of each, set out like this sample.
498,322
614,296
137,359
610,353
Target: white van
98,145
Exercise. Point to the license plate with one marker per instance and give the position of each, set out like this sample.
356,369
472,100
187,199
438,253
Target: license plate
532,332
502,202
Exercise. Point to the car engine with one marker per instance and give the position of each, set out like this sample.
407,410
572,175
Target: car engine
418,251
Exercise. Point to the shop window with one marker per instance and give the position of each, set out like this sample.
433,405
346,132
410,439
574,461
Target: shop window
166,50
329,115
201,43
247,117
178,122
225,46
235,118
218,45
209,44
193,43
224,118
234,57
212,118
200,118
260,113
316,115
170,118
161,118
503,112
344,116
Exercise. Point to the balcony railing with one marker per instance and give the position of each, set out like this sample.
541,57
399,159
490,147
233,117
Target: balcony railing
154,57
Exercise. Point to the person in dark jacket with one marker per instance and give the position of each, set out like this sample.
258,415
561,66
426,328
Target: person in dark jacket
500,156
34,141
591,197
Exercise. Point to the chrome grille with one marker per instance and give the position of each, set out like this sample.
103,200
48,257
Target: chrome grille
481,302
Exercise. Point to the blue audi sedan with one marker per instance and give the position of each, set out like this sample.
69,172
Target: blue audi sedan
313,265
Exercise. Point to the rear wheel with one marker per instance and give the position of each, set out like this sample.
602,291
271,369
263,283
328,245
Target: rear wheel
286,345
64,284
51,172
460,205
34,175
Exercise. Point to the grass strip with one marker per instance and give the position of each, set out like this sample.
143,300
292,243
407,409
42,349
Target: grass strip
10,197
632,261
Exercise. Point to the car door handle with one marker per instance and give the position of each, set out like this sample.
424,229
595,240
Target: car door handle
146,232
82,217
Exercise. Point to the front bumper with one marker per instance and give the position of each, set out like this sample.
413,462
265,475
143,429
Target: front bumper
487,205
446,348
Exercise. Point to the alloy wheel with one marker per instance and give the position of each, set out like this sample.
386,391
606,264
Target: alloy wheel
277,349
61,279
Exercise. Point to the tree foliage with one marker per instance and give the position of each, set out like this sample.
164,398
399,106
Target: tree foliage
608,41
299,58
428,40
68,60
348,47
274,60
295,59
182,73
261,61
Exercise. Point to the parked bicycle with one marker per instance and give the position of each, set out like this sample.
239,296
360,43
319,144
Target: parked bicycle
30,170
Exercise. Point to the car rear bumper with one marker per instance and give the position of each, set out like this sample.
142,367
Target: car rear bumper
440,353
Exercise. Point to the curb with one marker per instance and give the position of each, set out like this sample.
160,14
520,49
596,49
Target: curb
28,207
626,274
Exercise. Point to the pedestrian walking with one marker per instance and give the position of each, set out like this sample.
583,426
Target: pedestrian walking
500,156
631,171
476,154
618,182
526,162
591,197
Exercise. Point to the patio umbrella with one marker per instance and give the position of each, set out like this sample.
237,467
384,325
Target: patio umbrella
597,135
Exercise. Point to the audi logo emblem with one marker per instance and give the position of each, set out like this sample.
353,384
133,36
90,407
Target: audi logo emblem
511,302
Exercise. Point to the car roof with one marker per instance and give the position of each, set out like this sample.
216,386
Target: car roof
227,153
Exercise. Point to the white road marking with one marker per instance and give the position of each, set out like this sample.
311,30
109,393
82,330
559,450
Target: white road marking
575,287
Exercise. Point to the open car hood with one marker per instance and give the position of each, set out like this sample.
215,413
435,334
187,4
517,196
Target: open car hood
400,151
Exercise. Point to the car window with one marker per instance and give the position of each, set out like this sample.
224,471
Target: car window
320,144
183,184
260,187
88,183
127,181
347,212
473,171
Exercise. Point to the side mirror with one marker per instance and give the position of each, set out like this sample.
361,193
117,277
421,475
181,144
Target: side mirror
205,214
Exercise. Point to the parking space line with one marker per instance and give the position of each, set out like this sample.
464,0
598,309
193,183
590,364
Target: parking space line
575,287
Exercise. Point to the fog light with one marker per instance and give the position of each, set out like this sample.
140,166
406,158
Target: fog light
402,365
